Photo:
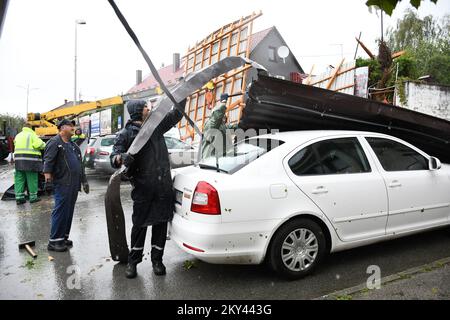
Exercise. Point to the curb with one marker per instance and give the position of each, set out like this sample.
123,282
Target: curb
403,275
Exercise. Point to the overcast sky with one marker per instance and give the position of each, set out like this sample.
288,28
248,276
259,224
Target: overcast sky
37,43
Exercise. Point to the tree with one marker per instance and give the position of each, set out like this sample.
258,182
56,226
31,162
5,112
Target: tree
427,42
388,6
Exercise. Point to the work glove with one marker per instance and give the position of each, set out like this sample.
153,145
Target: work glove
127,159
224,97
86,187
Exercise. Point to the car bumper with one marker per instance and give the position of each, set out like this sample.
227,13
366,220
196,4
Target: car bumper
223,243
103,165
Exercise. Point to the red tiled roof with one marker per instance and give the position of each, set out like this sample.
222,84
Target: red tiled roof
169,77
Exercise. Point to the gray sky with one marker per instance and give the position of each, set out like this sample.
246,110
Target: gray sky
37,43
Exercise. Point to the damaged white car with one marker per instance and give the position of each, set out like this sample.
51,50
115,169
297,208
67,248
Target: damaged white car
291,198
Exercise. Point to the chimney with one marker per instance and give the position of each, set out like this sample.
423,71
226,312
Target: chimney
138,76
176,62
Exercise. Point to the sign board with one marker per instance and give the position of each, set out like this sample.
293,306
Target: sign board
84,125
105,122
95,124
361,82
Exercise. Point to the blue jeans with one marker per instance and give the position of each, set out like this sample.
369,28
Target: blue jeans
62,215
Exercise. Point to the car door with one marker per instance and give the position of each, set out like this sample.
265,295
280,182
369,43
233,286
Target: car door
336,175
418,197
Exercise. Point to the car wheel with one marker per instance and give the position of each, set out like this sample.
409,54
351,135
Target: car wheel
297,248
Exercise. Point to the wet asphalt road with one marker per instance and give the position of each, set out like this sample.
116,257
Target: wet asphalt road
87,272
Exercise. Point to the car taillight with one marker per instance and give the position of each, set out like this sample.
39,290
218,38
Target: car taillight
90,150
103,153
206,199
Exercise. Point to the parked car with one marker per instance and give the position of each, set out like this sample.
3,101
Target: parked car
100,148
291,198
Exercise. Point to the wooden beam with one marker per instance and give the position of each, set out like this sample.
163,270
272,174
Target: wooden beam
398,54
328,78
308,80
371,55
330,83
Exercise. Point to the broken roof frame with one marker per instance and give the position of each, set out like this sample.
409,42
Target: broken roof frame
233,39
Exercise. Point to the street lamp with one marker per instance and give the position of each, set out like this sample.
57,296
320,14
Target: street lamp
77,22
28,94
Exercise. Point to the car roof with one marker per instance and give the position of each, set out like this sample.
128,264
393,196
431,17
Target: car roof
305,135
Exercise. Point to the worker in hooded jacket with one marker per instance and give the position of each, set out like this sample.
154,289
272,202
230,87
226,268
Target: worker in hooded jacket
152,190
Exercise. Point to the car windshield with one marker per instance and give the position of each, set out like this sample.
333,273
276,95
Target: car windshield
240,155
173,143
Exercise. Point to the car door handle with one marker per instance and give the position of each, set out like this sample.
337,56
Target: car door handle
320,190
395,184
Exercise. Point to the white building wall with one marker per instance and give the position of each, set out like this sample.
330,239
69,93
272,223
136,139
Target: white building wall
426,98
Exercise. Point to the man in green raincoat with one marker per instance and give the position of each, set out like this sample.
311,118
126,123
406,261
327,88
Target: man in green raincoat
216,132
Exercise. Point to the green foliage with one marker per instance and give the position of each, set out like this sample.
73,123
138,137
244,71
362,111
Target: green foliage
388,6
374,69
427,42
10,124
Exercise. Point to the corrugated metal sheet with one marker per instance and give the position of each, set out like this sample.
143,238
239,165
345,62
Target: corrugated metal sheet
344,83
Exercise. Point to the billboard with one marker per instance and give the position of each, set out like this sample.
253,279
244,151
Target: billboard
84,125
361,82
105,122
95,124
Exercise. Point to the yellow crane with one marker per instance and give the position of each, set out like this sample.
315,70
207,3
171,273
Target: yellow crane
44,124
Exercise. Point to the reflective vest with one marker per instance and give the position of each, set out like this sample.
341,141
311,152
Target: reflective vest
76,137
27,151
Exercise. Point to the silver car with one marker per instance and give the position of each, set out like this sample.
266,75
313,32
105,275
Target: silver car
100,148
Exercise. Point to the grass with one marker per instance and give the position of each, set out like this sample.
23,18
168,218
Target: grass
188,264
30,264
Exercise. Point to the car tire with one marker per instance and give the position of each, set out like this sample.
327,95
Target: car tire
293,247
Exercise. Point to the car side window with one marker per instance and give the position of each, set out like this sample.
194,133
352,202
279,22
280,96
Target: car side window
334,156
395,156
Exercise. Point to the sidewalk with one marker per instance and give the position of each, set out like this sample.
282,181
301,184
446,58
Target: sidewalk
427,282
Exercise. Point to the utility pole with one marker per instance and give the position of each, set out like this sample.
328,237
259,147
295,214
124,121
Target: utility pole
28,95
77,22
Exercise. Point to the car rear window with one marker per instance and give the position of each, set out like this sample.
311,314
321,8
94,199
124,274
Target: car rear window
241,154
106,142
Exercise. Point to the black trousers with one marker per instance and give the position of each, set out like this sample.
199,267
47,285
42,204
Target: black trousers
138,234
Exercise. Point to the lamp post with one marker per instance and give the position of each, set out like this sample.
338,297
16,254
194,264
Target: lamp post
28,94
77,22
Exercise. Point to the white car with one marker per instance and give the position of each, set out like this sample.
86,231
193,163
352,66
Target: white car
293,197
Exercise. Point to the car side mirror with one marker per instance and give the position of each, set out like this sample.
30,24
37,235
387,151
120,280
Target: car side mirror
434,164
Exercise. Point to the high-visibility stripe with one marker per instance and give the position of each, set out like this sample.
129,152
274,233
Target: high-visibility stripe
156,247
27,159
137,249
28,141
53,240
25,149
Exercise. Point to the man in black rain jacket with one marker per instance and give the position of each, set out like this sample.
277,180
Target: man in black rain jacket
152,192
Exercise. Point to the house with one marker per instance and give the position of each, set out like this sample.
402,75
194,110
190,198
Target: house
264,47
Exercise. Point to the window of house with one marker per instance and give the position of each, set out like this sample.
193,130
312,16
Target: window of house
395,156
334,156
272,54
